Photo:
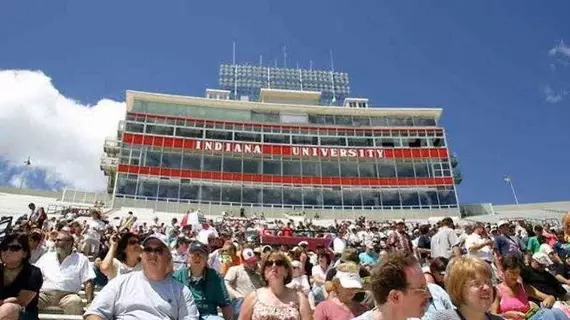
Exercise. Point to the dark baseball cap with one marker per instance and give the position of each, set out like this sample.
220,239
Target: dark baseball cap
199,247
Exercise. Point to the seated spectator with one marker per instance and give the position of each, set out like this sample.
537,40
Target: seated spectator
399,289
275,301
198,277
150,294
242,280
228,257
436,271
562,247
468,282
537,276
124,256
64,272
369,257
318,276
300,281
346,284
511,299
37,249
20,282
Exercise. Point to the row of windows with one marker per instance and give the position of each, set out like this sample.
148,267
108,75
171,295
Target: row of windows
372,168
383,142
179,110
280,128
313,196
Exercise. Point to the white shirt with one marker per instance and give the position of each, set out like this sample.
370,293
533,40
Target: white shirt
317,272
484,253
204,235
68,276
95,226
302,282
338,245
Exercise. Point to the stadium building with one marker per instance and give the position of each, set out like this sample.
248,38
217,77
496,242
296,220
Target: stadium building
278,140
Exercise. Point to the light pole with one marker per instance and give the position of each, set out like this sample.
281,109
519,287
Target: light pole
509,181
27,163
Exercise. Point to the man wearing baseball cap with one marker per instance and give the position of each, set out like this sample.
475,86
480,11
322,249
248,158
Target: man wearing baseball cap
537,275
205,284
243,279
153,291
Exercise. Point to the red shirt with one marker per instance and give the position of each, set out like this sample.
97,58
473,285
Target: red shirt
287,231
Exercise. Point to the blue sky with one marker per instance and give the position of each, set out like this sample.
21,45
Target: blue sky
488,64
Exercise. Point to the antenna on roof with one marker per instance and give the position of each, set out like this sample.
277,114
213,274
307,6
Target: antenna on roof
332,77
275,61
300,76
235,69
311,65
260,60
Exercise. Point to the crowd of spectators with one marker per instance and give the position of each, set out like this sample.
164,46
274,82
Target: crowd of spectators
368,270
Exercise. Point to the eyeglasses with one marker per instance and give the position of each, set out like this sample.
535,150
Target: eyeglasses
12,248
276,263
423,289
132,242
157,250
479,284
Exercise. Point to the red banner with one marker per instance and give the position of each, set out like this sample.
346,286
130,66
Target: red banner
286,180
285,150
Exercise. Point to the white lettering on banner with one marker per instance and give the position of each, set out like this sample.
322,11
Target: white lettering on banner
337,152
296,151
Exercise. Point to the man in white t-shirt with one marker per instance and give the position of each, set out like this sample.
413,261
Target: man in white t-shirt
206,233
478,245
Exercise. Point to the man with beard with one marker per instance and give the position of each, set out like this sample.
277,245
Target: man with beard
64,273
150,294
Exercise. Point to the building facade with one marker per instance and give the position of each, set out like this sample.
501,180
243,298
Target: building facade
291,143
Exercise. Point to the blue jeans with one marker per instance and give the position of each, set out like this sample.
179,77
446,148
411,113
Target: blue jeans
549,314
319,294
211,317
236,306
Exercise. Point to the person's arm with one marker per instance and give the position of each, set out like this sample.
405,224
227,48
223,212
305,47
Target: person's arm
188,310
561,279
107,267
86,276
246,311
224,299
88,290
547,300
103,306
230,279
304,308
495,307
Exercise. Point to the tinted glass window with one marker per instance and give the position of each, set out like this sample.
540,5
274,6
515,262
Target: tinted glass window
251,195
189,132
161,130
311,168
134,127
191,161
251,165
168,189
148,188
272,167
171,160
332,197
390,198
272,195
351,198
212,163
250,137
210,193
291,168
292,196
367,169
189,191
232,164
219,135
231,193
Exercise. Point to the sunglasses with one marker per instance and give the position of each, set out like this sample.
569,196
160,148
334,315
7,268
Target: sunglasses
276,263
12,248
132,242
157,250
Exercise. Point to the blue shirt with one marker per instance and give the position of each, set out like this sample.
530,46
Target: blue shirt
366,258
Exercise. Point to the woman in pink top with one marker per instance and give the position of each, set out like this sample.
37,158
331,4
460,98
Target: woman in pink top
341,306
511,300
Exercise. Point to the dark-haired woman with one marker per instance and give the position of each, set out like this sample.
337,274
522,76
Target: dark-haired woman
20,282
124,256
275,301
436,271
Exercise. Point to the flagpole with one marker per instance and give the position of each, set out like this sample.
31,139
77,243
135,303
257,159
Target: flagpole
508,180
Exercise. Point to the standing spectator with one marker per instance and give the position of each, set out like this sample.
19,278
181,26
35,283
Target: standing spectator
92,234
243,279
64,273
339,243
436,272
206,233
399,240
478,244
399,289
424,244
535,242
276,301
444,240
207,288
229,257
468,283
318,276
504,244
369,257
150,294
124,256
287,231
20,282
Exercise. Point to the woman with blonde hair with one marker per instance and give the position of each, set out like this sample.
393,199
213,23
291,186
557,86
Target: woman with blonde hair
468,282
275,300
346,284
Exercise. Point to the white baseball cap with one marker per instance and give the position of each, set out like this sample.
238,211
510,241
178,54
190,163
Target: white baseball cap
542,258
349,280
248,255
502,222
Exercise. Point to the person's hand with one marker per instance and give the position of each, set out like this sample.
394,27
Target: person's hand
11,300
489,242
548,302
113,240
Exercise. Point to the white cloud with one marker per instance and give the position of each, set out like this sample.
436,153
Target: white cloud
61,136
560,49
553,96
